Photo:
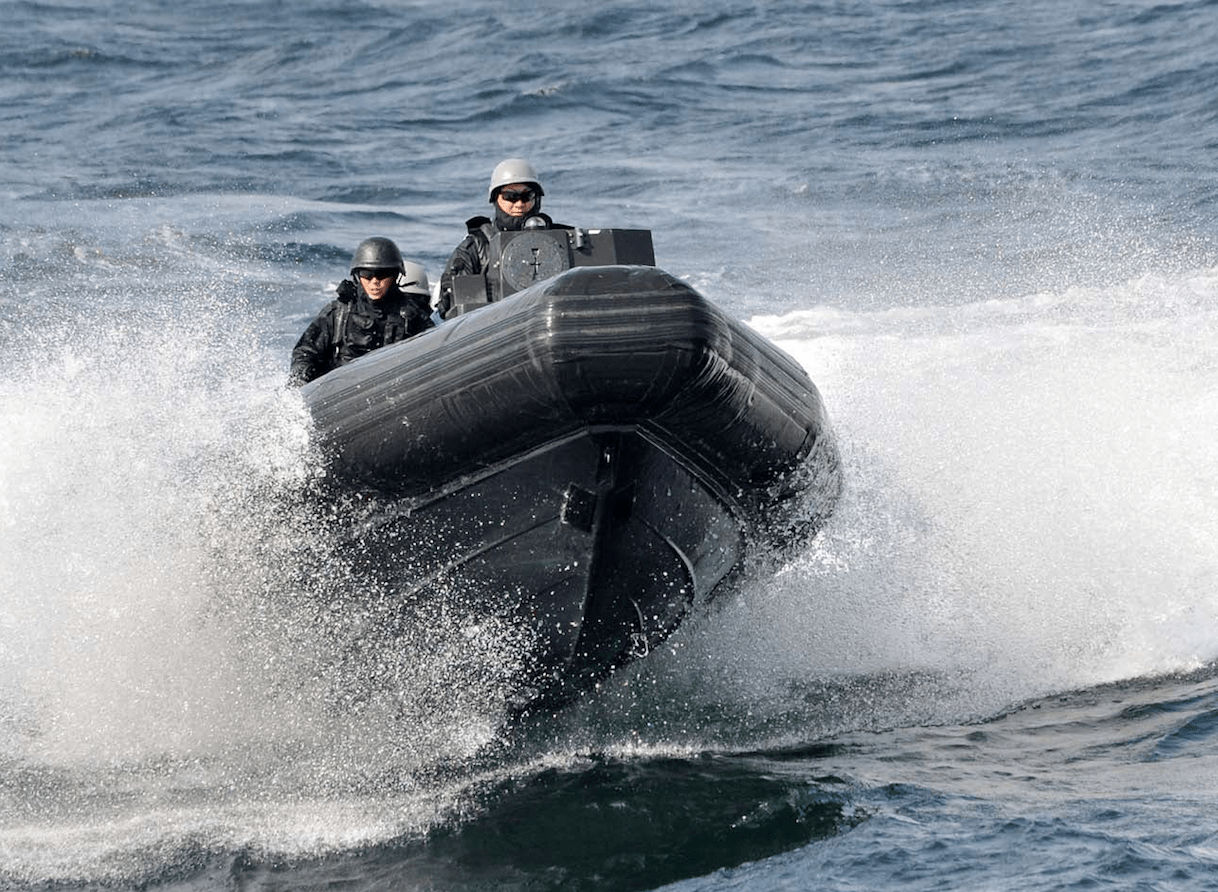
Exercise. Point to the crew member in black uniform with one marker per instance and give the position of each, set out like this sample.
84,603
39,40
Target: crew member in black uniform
516,193
387,299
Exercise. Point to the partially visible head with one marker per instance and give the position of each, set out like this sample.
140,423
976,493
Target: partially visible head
376,263
515,188
414,279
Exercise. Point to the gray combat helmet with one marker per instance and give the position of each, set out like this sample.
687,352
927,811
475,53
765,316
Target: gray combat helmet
376,253
513,170
414,279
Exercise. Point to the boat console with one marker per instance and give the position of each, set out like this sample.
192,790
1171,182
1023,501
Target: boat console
524,258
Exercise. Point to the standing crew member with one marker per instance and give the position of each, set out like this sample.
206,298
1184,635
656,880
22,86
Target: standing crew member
516,192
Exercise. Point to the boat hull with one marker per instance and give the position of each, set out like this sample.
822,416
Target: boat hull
593,456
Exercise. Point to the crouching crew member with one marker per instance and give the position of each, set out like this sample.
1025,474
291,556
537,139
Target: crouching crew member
387,299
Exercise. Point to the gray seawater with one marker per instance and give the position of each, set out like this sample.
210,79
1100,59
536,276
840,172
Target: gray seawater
987,229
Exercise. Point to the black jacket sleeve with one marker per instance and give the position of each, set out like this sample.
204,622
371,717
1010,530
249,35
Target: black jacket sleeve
313,354
418,317
468,258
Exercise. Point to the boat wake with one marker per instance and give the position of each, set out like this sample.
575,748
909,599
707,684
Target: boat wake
188,652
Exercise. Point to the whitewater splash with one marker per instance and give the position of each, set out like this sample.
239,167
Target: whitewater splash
1031,492
170,589
1029,508
185,650
127,446
1033,488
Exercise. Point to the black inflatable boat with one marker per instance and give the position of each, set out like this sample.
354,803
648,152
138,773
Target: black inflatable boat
599,452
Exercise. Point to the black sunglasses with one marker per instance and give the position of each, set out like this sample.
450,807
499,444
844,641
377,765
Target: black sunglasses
512,197
377,273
